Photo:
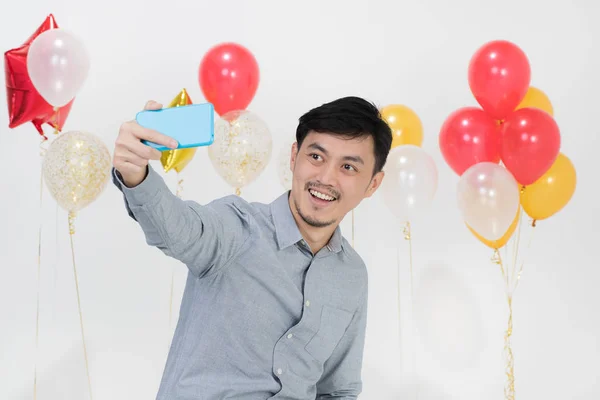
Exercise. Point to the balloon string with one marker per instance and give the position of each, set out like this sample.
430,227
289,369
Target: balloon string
39,263
56,119
518,277
407,236
517,243
399,297
238,191
509,388
85,353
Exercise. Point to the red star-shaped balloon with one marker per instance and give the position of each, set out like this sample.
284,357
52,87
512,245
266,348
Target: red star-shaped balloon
25,104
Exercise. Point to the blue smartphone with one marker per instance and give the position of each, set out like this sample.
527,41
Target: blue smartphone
192,125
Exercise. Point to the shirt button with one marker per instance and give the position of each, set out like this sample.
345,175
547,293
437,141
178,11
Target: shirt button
307,303
279,371
289,336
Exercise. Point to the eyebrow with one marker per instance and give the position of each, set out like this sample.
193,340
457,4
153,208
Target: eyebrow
317,146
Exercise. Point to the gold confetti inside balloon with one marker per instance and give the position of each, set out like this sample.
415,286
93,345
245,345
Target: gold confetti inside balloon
241,149
283,166
178,159
77,168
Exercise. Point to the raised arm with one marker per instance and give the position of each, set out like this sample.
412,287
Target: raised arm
204,237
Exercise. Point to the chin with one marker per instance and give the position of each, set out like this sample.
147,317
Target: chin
317,212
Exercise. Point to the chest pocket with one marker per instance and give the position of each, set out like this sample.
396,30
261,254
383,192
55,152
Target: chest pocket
332,325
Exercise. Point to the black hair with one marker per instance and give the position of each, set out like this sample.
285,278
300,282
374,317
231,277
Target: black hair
352,117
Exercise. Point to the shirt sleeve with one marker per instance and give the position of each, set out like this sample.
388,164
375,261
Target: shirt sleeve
341,377
204,237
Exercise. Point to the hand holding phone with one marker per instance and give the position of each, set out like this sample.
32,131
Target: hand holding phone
131,156
191,125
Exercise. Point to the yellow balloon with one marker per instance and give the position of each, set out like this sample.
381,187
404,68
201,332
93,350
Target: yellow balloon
549,194
535,98
178,159
497,244
405,124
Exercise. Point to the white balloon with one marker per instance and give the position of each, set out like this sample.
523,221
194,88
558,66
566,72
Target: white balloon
283,166
410,182
242,147
488,199
58,65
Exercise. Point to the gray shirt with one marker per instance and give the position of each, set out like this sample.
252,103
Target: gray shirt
261,316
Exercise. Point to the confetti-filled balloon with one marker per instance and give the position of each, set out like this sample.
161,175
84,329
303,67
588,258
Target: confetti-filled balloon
77,168
283,166
241,149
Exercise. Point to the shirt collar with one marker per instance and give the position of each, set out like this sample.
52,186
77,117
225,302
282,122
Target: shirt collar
286,229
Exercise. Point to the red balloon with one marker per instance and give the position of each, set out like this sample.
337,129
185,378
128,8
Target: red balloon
530,144
25,104
467,137
229,77
499,76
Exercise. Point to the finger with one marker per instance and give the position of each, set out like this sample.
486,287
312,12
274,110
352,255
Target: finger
150,135
125,155
142,150
152,105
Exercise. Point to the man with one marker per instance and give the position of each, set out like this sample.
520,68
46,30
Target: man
275,304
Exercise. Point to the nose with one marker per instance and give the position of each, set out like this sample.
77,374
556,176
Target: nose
329,175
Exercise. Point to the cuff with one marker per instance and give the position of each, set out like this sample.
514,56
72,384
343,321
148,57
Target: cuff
145,191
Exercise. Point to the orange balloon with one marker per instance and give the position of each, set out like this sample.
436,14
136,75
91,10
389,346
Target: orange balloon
549,194
405,124
497,244
535,98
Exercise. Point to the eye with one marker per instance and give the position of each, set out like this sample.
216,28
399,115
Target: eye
315,157
349,167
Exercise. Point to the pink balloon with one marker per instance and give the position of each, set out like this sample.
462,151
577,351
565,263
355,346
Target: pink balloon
488,199
57,65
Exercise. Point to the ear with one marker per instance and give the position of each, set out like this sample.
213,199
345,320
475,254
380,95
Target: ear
375,183
293,155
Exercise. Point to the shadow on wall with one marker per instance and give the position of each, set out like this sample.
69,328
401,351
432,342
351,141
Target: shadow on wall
448,318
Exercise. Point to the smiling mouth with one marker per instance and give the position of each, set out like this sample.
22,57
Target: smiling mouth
321,195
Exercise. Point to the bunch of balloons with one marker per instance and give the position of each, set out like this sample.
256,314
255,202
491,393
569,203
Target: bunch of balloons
507,151
43,76
411,176
229,78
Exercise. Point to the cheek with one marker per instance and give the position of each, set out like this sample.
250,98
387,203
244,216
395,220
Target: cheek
353,189
304,170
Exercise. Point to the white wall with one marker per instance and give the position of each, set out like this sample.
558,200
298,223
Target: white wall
414,53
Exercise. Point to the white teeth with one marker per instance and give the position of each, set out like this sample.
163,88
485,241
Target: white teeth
321,196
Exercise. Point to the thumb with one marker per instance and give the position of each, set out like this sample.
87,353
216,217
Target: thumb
152,105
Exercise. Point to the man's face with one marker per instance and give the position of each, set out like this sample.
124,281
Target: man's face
331,175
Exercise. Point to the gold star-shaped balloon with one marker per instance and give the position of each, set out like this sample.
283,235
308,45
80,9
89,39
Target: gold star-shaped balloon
178,159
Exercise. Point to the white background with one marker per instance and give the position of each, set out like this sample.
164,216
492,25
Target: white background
414,53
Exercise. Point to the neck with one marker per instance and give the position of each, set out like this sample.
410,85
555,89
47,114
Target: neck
317,238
